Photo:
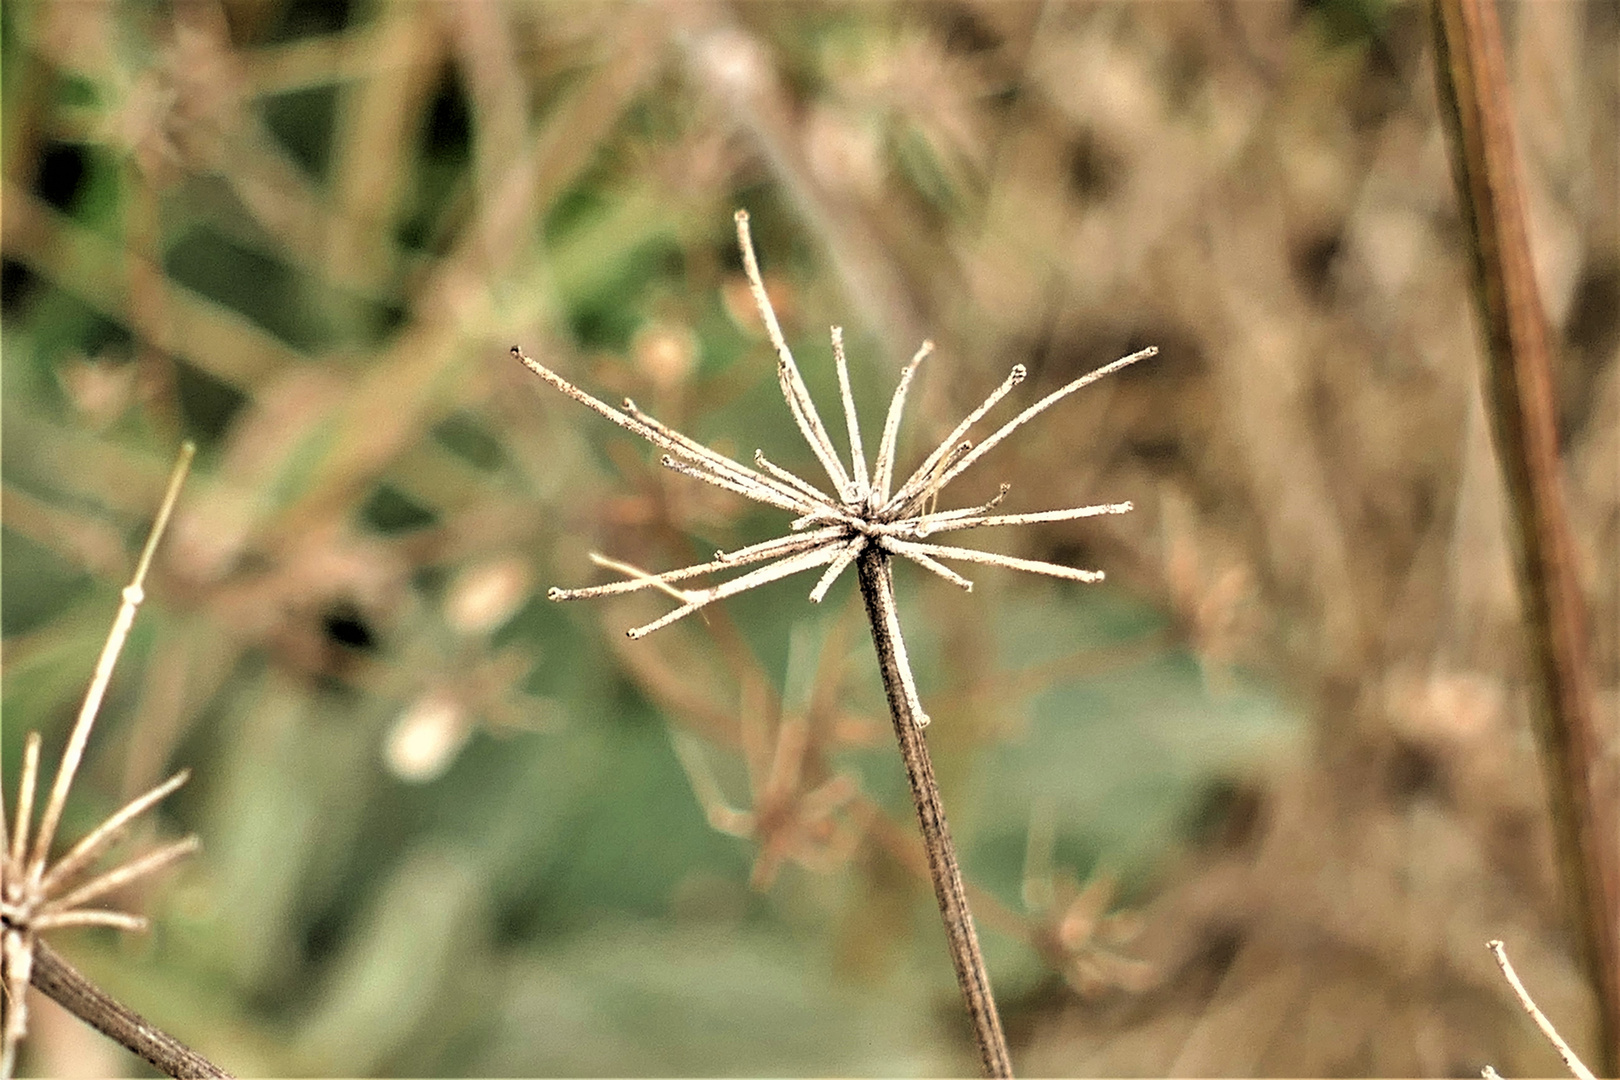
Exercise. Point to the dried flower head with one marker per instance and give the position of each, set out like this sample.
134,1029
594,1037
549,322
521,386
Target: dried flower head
36,895
867,508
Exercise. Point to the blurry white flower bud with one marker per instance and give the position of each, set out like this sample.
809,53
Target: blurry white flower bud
484,595
426,738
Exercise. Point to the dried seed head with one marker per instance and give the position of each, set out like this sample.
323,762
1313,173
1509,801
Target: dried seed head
832,527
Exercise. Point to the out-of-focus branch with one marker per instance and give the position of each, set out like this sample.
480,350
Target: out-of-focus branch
1474,101
735,67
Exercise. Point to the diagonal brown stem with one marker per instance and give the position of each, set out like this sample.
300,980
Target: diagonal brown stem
1518,357
61,982
877,590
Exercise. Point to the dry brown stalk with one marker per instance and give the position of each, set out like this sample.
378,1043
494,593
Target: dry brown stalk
62,983
1520,388
877,590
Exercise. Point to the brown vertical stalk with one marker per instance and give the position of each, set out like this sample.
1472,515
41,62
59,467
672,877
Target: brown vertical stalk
877,589
1472,76
61,982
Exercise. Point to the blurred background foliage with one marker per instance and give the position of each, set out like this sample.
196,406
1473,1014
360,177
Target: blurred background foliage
1252,807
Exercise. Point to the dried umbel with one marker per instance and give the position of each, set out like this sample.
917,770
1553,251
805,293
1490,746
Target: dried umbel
36,895
868,508
866,520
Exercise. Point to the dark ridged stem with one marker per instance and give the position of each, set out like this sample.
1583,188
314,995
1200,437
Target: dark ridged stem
877,590
61,982
1520,389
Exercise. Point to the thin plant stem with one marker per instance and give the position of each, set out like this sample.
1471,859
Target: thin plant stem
116,879
723,471
852,424
884,474
108,833
929,471
133,594
1571,1061
63,984
941,523
801,486
26,884
877,590
793,388
728,560
17,949
25,798
715,462
1472,74
700,598
1039,407
926,561
848,555
990,558
118,920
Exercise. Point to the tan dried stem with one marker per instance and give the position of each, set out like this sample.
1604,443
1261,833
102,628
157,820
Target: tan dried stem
1571,1062
1522,392
972,976
134,593
36,897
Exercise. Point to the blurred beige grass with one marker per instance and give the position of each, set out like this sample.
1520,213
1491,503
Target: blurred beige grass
307,234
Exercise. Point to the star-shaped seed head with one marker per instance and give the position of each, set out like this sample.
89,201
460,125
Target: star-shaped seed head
864,510
37,895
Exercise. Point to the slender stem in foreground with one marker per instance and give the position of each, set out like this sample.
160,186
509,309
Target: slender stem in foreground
877,590
1571,1062
62,983
1472,75
133,595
